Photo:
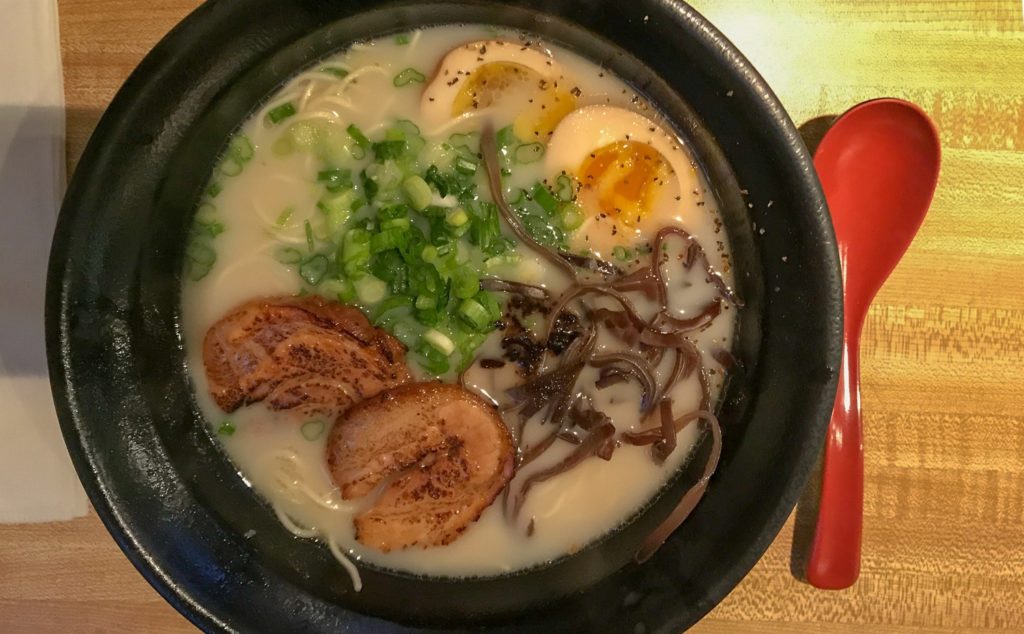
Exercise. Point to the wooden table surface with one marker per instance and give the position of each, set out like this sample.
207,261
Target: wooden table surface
943,346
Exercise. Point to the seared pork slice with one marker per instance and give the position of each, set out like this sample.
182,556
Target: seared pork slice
306,354
445,452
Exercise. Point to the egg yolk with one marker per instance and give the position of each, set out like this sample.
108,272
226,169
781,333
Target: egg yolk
544,103
488,82
623,179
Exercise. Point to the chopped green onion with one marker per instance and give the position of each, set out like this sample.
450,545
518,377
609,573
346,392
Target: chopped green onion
572,216
358,136
545,198
395,223
434,177
465,166
431,359
408,76
490,304
355,252
337,71
469,142
541,231
529,153
230,167
335,179
370,186
240,149
565,188
622,253
506,137
425,302
388,239
214,189
370,290
338,206
226,429
201,258
384,150
402,39
282,112
505,259
284,217
314,269
342,289
456,217
418,192
440,341
410,133
206,214
310,244
391,303
465,283
474,313
311,430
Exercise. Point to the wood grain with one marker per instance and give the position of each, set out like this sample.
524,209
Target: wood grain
943,345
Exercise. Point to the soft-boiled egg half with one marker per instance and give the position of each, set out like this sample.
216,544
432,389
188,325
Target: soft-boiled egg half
634,176
496,74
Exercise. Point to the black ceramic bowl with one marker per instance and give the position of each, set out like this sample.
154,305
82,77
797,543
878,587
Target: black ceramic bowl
177,507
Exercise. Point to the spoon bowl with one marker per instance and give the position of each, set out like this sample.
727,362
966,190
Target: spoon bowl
878,166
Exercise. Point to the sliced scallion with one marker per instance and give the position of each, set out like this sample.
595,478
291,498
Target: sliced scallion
310,243
572,216
230,167
409,76
337,71
358,136
529,153
240,149
565,188
439,341
456,217
465,283
342,289
388,149
474,314
545,198
418,192
280,113
335,179
284,217
622,253
370,290
314,269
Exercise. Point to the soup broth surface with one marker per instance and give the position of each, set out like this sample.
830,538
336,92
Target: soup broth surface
263,209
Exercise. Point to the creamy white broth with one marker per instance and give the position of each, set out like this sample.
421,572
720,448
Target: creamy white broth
289,470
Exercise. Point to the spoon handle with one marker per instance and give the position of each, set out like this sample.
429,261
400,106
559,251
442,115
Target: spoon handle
835,554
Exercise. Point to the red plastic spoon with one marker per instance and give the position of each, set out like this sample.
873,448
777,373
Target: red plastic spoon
878,165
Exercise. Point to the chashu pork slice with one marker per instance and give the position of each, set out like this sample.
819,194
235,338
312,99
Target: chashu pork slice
435,456
306,354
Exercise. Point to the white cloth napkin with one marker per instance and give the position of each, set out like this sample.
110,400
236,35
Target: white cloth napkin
37,481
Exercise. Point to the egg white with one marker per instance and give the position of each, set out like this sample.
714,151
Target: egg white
587,129
460,62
